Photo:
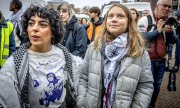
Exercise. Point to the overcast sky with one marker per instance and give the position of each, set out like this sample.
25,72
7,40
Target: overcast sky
82,3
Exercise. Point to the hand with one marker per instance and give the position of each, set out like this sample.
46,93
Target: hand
160,25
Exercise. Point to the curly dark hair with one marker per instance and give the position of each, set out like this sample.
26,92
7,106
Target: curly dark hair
17,3
56,25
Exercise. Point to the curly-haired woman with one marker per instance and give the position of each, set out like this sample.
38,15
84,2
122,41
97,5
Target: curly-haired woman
24,78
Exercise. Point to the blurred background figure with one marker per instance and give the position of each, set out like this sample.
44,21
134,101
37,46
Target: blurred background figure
83,21
95,23
16,7
145,12
135,15
158,36
177,53
7,43
75,39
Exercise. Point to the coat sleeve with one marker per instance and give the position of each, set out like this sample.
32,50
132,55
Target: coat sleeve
144,90
81,42
171,37
83,81
12,45
8,83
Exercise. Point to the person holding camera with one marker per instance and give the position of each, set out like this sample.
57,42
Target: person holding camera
158,35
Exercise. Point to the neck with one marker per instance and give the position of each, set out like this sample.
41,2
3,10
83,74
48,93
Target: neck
40,49
96,19
15,11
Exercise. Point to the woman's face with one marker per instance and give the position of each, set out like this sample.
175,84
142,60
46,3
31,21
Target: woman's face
84,21
134,15
64,15
50,77
39,32
117,21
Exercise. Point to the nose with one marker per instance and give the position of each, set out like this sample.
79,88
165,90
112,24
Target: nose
114,19
35,27
60,14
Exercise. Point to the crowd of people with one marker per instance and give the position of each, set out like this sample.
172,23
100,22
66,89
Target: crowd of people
50,60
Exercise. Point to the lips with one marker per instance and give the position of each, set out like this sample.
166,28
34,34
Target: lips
35,38
114,26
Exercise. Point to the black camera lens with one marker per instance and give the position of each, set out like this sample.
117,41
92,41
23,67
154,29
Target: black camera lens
171,21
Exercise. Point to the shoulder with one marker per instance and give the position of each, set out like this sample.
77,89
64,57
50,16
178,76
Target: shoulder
142,58
92,53
58,51
145,59
143,20
78,26
9,64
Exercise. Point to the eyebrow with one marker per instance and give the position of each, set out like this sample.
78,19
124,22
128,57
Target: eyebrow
43,20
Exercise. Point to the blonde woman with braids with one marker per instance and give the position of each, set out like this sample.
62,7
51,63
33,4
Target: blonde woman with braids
116,72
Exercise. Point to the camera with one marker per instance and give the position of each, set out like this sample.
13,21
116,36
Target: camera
172,21
172,78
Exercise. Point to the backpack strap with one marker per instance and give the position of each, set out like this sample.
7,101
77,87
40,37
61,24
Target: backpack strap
150,22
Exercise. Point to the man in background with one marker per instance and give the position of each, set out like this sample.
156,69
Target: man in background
16,8
159,36
7,43
95,23
145,12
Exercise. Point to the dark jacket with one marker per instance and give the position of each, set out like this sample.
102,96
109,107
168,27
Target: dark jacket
77,44
170,36
177,54
98,22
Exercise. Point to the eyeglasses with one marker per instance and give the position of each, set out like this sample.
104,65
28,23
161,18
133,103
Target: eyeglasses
165,5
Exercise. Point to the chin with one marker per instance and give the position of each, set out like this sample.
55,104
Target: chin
35,43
